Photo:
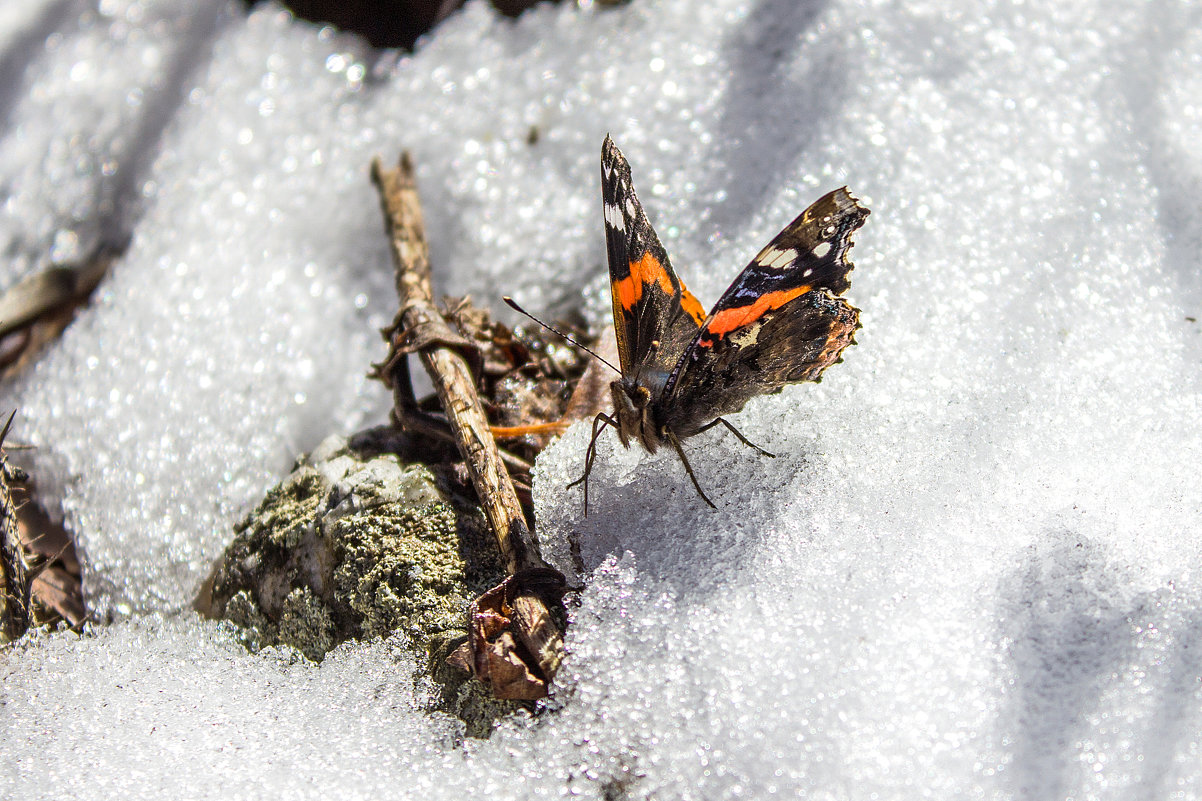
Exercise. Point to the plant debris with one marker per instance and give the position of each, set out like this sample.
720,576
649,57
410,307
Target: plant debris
39,572
512,667
534,636
399,529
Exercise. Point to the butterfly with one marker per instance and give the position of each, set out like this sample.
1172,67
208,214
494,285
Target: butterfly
781,321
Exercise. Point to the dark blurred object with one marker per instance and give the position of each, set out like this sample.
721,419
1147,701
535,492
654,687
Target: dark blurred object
35,310
388,23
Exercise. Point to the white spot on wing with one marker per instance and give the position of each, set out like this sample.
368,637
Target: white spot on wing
613,216
746,336
775,259
821,249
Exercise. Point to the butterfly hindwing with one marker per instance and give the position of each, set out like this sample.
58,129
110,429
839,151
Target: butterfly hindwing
655,316
779,323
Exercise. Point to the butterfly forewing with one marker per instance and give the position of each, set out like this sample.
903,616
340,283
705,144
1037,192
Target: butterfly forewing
655,316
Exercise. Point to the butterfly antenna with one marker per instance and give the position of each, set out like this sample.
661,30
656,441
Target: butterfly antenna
513,305
7,426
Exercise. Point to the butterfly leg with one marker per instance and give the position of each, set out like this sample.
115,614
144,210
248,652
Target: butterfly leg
736,432
603,420
688,468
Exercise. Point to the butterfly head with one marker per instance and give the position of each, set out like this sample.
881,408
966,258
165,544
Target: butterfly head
632,407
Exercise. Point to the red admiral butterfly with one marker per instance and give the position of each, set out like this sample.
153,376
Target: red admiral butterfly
779,323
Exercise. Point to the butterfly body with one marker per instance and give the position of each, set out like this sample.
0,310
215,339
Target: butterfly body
781,321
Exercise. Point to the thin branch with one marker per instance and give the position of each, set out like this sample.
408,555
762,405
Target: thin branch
444,353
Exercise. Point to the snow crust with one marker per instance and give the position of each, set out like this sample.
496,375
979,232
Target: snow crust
971,571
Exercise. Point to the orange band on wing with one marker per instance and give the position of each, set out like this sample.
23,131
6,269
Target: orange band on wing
646,270
692,306
728,320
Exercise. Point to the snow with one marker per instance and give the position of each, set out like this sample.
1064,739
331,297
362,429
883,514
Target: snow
970,572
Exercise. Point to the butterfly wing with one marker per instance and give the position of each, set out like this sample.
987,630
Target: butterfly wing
779,323
655,317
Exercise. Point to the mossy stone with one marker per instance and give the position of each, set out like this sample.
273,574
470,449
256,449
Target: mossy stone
356,545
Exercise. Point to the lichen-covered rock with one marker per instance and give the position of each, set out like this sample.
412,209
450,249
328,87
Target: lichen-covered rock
356,544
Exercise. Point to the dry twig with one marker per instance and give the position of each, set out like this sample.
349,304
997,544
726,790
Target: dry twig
518,608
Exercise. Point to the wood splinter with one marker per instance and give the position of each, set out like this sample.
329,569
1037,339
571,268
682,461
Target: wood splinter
515,646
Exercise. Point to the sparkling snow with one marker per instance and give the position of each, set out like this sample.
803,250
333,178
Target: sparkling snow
971,572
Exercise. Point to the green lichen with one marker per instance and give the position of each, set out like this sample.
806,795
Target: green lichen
400,569
307,625
288,510
356,546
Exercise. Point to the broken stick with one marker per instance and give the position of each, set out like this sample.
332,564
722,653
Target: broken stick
419,328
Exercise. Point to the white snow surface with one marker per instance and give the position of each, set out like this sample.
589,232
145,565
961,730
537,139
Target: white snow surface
970,572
